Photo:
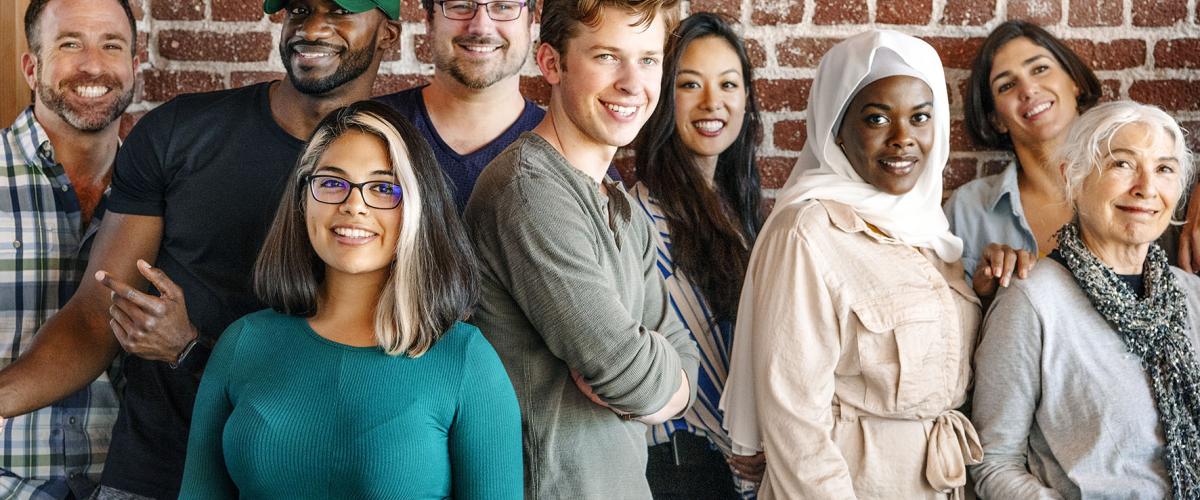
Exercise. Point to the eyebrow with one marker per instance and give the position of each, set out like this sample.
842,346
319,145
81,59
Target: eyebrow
697,73
610,48
1134,153
78,34
1024,63
885,107
338,170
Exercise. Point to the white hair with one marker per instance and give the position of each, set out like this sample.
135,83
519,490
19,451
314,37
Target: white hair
1089,140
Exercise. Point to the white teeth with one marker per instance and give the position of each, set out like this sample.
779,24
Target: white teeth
709,125
352,233
898,164
624,111
480,49
91,91
1038,109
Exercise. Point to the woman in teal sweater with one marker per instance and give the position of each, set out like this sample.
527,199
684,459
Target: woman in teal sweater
360,381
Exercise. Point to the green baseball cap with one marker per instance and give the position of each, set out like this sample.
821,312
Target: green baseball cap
389,7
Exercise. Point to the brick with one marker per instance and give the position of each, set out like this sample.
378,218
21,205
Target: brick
993,167
244,78
1191,132
956,52
840,12
1110,90
756,53
1171,95
128,120
1177,53
626,164
1158,12
387,84
143,46
1041,12
162,85
182,45
177,10
768,204
909,12
960,139
422,49
771,12
237,10
803,52
1117,54
783,95
731,9
1095,13
968,12
774,170
535,89
411,11
790,135
958,171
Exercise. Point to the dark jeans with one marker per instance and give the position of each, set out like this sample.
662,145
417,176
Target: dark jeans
702,473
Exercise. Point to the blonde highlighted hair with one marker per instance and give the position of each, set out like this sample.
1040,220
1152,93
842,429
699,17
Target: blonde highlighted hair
433,282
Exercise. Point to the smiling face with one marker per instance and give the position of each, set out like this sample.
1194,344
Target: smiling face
324,46
1129,200
607,81
1035,98
479,52
351,237
84,72
710,97
887,132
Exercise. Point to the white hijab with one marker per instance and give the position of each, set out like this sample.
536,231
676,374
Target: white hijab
823,172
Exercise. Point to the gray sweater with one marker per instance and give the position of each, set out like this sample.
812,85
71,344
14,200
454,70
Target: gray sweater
570,282
1063,409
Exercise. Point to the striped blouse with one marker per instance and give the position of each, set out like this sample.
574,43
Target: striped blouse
714,339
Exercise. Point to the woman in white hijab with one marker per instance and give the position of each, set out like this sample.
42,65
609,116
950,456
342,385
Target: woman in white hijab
856,326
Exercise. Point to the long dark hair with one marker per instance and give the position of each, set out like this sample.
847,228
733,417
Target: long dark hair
707,225
980,105
433,281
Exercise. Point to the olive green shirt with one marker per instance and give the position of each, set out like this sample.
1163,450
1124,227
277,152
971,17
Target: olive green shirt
570,281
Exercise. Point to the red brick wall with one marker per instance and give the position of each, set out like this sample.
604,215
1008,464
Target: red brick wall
1147,50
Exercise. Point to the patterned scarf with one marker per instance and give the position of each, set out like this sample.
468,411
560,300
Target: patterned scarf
1155,328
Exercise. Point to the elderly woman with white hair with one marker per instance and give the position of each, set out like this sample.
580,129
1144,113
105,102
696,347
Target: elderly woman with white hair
1086,377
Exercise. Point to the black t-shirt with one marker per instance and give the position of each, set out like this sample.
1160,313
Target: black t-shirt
213,166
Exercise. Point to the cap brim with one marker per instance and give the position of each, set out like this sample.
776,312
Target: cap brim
355,6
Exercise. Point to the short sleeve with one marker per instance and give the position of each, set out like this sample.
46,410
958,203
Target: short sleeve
140,177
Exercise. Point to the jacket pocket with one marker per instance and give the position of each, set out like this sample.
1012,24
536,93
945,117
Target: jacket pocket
898,334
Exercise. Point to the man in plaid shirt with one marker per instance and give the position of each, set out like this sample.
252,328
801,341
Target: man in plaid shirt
57,159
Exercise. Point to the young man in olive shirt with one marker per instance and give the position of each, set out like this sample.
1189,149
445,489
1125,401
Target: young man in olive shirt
572,299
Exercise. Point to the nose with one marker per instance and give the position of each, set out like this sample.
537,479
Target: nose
902,136
482,22
1028,88
711,100
628,81
1143,184
354,204
314,27
91,62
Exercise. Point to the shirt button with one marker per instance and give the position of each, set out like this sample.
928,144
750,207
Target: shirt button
71,420
65,188
74,475
16,243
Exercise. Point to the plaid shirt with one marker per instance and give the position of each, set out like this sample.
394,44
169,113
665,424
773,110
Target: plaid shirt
43,254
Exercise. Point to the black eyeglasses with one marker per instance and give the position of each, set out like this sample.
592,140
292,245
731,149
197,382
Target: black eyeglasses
464,10
335,190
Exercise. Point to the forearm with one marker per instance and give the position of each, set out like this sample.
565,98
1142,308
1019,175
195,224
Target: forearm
70,350
677,404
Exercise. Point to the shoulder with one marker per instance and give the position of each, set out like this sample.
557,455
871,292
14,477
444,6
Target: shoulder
464,346
404,102
204,107
808,218
1049,287
977,196
524,177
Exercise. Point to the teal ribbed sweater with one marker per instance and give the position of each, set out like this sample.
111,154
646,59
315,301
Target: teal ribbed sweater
285,413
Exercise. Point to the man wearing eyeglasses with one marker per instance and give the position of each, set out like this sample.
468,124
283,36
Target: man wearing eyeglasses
195,187
472,108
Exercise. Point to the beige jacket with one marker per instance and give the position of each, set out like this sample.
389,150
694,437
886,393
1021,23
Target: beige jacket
861,350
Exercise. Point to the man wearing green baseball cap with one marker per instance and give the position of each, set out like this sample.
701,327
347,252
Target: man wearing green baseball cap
195,187
391,8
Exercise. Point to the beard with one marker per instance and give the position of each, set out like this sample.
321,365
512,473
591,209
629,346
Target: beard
476,77
353,65
84,118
